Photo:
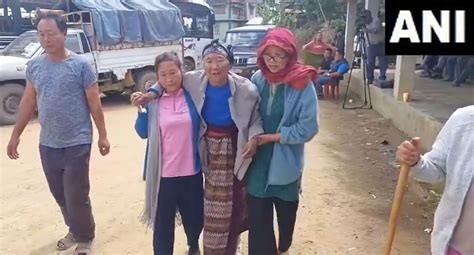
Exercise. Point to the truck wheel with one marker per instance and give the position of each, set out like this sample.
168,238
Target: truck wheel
10,97
189,64
142,77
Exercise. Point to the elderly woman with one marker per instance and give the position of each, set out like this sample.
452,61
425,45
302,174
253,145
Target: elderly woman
228,106
289,112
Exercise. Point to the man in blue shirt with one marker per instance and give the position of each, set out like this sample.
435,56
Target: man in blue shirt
63,86
336,72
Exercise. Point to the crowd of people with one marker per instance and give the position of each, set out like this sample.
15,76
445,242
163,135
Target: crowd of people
455,69
222,151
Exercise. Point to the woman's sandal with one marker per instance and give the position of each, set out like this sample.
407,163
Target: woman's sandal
83,248
66,242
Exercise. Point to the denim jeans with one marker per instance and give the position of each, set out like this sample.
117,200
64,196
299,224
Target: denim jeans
376,51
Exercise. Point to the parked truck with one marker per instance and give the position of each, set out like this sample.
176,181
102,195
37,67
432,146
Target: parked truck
119,38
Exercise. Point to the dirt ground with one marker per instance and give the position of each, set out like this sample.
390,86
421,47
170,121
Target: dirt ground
348,185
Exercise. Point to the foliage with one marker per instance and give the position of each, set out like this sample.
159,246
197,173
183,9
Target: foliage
277,14
323,10
338,24
305,34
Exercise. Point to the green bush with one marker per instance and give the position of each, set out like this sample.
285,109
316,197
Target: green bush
305,34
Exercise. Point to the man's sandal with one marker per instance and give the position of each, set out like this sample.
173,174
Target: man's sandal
83,249
66,242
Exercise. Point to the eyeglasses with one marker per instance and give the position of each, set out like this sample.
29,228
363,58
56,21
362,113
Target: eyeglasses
275,59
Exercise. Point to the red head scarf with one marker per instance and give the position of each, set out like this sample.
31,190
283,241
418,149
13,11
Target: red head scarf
295,74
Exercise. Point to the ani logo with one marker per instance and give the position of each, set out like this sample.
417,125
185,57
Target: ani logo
429,27
430,24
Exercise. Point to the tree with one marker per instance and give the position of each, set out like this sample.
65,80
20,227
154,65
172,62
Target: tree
277,13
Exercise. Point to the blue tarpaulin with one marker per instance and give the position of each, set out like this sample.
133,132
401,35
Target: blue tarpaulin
132,21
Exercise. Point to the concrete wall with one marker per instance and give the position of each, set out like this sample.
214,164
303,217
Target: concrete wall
404,116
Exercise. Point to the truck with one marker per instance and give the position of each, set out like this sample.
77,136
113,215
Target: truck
120,44
245,41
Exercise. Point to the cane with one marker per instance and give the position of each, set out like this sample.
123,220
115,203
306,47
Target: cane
402,182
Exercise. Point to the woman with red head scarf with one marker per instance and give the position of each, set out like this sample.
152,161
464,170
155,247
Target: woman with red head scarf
289,112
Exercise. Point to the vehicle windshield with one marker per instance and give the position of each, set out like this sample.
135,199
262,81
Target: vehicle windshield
197,25
198,19
25,46
245,39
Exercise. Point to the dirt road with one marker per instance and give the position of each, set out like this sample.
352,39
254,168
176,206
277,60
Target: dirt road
348,185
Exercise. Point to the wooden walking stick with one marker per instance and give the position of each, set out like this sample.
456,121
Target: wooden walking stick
392,225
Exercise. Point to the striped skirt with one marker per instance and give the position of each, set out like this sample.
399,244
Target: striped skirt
225,215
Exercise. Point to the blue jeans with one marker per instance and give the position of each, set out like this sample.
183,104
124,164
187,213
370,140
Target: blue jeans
451,67
373,51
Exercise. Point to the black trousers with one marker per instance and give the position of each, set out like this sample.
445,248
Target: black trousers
67,173
185,194
261,233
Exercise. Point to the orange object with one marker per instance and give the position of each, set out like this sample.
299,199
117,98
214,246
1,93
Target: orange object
331,89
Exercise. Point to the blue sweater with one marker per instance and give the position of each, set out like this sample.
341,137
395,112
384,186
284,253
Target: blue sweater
216,111
299,125
141,127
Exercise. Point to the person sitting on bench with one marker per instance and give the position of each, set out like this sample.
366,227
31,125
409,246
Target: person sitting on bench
336,72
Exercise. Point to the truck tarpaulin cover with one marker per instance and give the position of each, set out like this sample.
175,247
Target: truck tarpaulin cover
132,21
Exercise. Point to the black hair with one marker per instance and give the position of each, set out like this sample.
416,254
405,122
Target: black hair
58,19
167,56
329,49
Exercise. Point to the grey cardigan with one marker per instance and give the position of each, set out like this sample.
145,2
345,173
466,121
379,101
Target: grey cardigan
451,160
243,105
153,166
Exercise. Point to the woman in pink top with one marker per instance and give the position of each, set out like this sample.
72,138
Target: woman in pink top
173,169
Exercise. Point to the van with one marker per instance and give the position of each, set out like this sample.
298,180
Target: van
245,42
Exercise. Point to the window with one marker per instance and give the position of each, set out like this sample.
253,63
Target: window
72,44
221,9
251,9
202,24
216,30
188,24
85,44
239,11
245,39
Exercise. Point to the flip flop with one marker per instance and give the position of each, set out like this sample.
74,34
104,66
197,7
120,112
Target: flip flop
66,242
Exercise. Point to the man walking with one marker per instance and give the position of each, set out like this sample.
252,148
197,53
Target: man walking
450,161
63,86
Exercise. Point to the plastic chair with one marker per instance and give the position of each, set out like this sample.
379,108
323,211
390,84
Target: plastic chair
331,88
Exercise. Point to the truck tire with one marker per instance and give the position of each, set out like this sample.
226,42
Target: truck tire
10,97
142,77
189,64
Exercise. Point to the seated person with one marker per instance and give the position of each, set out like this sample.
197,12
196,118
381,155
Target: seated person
466,69
429,62
336,72
327,60
316,46
450,68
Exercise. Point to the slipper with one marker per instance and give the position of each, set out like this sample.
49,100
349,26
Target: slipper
83,248
66,242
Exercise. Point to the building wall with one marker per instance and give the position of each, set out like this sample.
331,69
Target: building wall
232,13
